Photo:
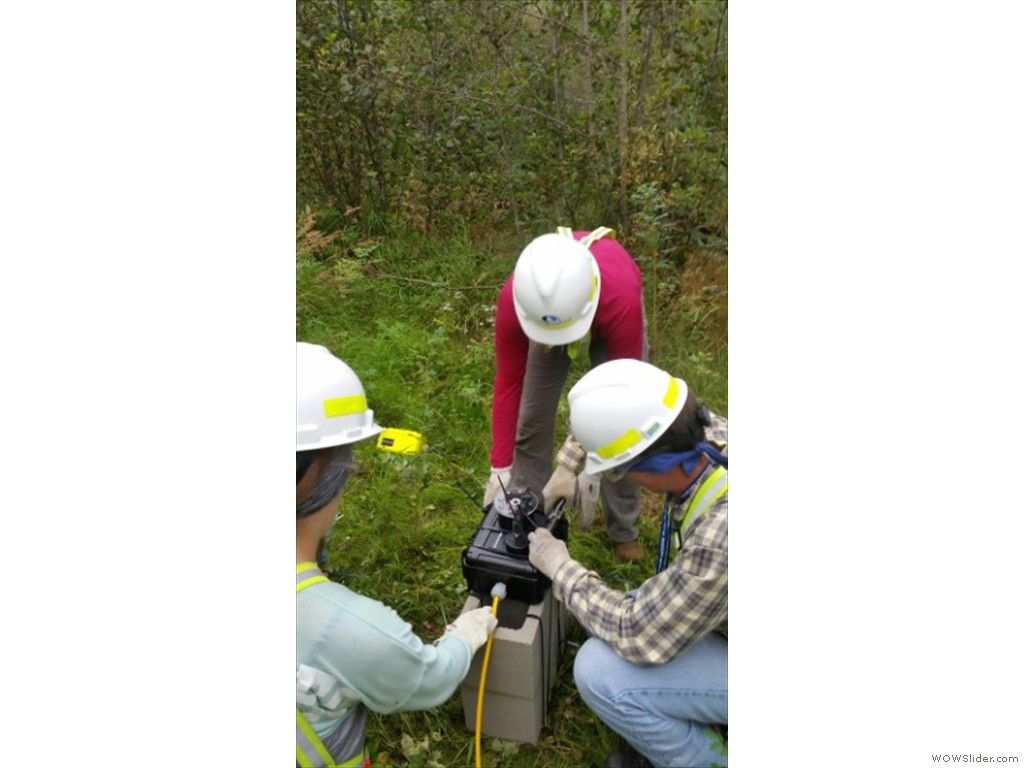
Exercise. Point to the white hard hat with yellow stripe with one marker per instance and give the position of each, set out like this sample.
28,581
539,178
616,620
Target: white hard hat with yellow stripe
330,402
556,286
618,409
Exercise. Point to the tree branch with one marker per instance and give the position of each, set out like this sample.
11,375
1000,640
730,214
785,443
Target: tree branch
552,20
454,98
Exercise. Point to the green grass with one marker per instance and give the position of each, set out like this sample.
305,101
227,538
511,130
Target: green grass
414,318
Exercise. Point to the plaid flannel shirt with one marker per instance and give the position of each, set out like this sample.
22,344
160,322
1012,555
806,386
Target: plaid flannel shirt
571,455
673,609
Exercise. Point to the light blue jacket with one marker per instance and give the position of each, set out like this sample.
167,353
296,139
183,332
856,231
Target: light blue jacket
351,649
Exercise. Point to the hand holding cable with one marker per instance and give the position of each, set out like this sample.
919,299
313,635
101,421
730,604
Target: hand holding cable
474,627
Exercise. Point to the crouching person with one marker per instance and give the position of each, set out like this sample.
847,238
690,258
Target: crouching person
655,668
352,654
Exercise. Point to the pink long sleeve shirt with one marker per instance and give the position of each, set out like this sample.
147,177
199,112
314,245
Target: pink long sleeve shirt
618,322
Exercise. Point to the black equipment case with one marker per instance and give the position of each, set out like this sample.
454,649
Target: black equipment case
499,550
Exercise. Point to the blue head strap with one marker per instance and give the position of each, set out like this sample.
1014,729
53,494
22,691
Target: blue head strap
660,463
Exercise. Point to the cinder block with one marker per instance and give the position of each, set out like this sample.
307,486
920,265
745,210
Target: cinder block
512,718
520,675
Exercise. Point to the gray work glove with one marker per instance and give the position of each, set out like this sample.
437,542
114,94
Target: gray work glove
474,627
493,487
547,554
578,492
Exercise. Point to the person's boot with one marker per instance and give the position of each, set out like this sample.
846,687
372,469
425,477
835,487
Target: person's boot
629,551
627,757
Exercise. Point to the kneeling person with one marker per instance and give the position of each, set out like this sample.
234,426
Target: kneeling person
655,668
353,654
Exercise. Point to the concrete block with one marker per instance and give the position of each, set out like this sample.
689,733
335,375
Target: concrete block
521,673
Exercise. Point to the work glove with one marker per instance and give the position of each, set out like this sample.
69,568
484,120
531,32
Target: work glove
580,493
474,627
547,554
493,487
561,485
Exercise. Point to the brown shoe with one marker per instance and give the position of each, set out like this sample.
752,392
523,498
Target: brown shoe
629,551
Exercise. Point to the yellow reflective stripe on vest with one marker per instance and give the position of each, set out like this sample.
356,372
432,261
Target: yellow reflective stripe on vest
714,485
597,234
320,759
310,751
306,574
574,348
308,746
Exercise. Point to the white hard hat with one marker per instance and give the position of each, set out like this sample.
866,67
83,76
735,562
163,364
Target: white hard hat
555,288
330,402
618,409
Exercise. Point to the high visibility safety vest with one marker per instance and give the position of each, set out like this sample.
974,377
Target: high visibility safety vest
573,349
713,487
310,751
597,234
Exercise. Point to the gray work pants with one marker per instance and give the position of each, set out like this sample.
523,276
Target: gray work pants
546,371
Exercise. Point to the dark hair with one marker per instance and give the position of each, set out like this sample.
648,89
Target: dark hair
319,475
685,431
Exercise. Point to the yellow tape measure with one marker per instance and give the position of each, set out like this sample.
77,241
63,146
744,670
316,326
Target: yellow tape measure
403,441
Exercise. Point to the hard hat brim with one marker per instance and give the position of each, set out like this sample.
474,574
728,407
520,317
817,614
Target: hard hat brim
555,337
342,438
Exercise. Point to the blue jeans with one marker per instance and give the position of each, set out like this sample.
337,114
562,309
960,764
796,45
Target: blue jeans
664,710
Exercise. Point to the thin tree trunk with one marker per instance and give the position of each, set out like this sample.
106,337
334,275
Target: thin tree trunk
623,109
588,81
668,46
653,17
558,94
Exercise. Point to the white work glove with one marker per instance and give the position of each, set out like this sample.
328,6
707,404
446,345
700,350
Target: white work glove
547,554
493,487
561,485
580,493
474,627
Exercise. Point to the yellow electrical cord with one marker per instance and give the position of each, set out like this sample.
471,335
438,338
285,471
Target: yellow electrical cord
483,678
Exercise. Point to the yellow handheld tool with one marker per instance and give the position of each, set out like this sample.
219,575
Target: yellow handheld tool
403,441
